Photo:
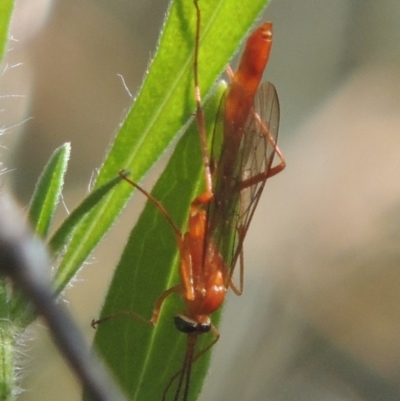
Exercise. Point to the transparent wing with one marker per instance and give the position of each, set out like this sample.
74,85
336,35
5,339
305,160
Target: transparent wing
258,146
240,178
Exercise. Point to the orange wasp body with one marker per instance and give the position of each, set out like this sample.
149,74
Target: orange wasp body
220,216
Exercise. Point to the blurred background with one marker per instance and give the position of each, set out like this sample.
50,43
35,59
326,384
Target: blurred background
320,315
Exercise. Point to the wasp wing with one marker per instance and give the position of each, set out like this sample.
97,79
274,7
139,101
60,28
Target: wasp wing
236,193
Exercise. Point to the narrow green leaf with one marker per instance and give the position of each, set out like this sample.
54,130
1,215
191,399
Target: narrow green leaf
63,234
144,358
48,190
6,8
164,104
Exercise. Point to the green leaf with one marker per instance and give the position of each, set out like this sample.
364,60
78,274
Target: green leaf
141,357
61,237
163,106
6,8
7,356
63,234
48,191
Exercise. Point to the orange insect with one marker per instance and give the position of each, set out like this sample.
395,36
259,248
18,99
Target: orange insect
219,217
241,167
